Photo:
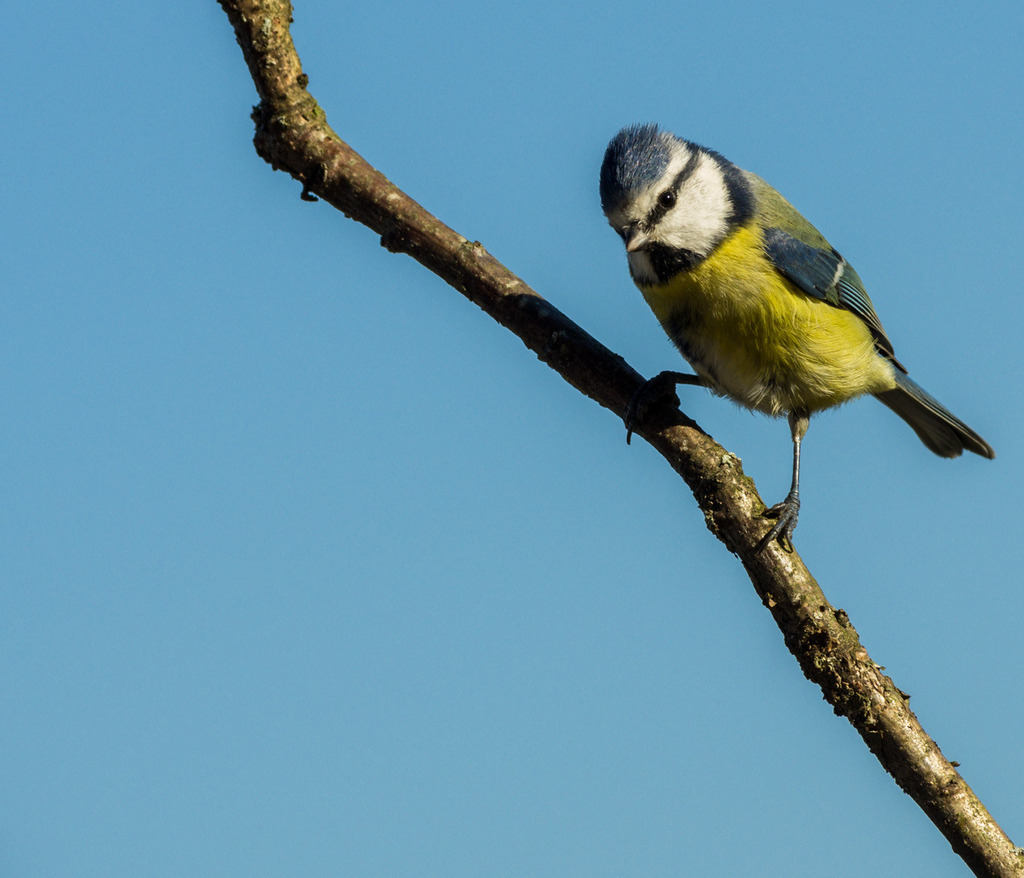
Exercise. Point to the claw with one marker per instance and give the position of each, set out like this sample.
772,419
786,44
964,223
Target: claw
652,391
787,511
634,413
786,514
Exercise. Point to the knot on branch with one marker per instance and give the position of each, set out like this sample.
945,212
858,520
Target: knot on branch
394,240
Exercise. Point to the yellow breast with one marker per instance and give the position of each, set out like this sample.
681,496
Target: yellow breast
758,339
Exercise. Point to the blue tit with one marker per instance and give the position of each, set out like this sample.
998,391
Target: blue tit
763,308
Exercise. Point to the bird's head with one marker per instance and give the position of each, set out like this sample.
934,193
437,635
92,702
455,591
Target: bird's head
671,201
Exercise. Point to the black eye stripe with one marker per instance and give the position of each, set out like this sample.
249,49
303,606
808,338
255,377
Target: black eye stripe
659,209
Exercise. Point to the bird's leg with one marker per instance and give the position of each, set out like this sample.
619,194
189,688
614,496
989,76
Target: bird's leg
786,512
652,391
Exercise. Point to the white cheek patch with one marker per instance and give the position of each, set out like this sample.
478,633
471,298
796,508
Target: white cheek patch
700,218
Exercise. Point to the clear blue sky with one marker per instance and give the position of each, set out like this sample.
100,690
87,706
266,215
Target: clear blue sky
309,568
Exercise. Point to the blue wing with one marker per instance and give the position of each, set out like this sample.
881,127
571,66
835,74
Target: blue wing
825,275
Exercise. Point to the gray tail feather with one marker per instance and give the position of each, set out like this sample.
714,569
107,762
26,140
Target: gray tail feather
939,429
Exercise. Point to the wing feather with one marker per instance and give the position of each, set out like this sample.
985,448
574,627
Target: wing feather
824,274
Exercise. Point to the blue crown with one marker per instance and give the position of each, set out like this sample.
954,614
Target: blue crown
636,157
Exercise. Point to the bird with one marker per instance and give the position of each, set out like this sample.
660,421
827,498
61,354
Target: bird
760,304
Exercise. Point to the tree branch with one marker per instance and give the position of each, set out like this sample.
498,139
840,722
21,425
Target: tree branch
292,134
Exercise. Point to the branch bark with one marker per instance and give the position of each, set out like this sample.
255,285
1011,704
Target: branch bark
292,134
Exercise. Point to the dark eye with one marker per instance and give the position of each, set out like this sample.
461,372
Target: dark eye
667,199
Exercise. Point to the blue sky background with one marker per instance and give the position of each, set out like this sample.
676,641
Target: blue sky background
309,568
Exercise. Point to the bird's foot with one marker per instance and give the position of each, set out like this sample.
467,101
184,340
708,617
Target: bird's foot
661,387
785,515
